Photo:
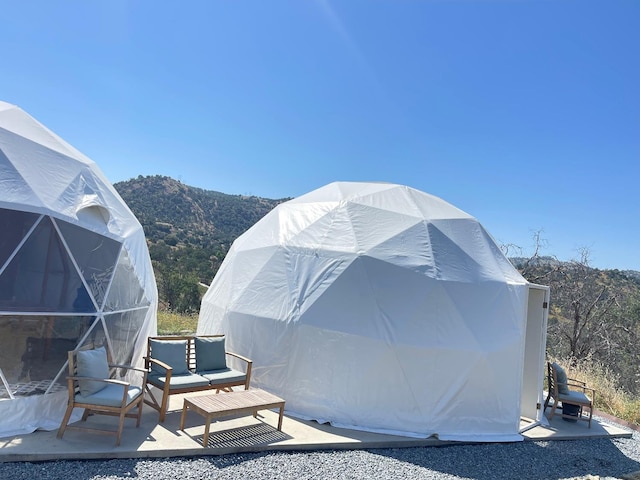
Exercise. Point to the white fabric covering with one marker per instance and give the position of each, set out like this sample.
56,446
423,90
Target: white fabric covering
375,306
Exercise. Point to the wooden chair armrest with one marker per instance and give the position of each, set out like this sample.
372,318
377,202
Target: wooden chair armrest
249,366
581,388
579,385
576,381
161,364
245,359
105,380
128,367
586,390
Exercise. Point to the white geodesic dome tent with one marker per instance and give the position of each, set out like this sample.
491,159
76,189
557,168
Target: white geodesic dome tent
379,307
74,270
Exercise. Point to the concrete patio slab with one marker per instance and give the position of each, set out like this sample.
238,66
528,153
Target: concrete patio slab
239,434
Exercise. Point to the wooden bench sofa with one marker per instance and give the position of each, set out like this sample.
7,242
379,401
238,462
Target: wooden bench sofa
190,363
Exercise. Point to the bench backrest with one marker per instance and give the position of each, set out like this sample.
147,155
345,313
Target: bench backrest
551,379
191,346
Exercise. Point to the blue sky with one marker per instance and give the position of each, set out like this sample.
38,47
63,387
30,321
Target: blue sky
525,114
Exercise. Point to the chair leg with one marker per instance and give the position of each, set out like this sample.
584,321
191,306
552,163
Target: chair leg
163,407
120,425
553,409
140,403
65,420
86,413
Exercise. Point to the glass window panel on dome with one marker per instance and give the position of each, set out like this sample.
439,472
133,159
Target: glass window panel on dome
42,278
96,336
14,225
125,290
95,254
33,349
123,329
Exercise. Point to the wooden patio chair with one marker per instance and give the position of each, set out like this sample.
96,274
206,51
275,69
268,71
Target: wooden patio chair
568,391
91,387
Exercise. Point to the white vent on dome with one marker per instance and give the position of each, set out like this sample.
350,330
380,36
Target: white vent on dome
91,211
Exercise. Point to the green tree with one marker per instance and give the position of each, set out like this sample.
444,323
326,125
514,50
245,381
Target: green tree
178,291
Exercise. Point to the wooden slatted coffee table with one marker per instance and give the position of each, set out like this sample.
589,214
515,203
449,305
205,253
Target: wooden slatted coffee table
230,403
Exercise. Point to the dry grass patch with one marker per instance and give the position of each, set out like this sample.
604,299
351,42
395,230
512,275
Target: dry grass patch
170,323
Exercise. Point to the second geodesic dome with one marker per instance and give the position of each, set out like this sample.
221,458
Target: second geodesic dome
379,307
74,270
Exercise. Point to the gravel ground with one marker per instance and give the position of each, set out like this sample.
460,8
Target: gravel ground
583,459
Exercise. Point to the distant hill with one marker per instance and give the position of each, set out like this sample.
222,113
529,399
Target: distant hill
547,270
189,231
519,262
632,274
181,215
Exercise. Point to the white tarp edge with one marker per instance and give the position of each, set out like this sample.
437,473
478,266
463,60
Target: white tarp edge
39,412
